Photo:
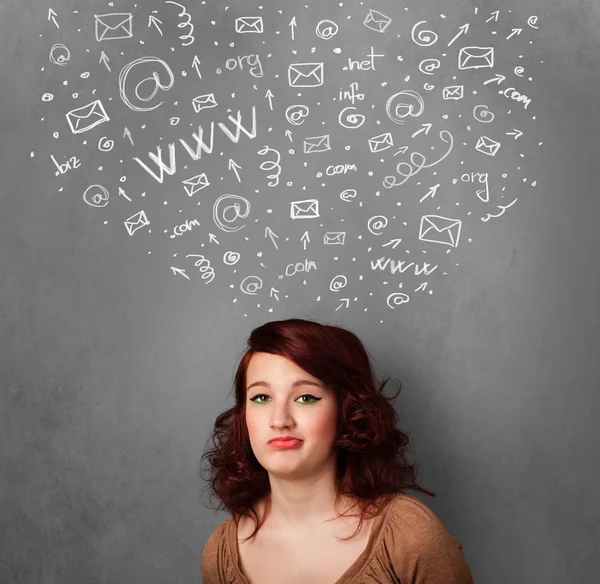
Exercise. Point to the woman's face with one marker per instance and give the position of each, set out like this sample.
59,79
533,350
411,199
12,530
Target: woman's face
283,399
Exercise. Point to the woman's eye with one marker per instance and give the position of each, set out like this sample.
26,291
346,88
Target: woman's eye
313,399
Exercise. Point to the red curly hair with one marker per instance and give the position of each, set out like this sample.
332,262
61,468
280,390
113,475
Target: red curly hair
372,463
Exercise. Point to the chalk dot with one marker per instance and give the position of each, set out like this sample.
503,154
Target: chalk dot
75,95
370,173
184,73
65,82
291,151
32,154
123,179
337,50
56,134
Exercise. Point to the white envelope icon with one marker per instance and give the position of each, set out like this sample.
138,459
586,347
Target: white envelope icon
438,229
307,209
476,58
117,25
87,117
195,184
305,74
316,144
204,102
487,146
334,238
453,92
377,21
381,142
136,222
249,24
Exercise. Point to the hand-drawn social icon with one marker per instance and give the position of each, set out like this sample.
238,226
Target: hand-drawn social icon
485,117
305,74
204,102
251,285
117,25
87,117
453,92
334,237
47,97
270,165
476,58
425,38
487,146
230,258
397,109
350,121
397,298
189,36
380,143
377,21
337,283
59,55
348,195
531,21
220,216
296,114
307,209
376,223
316,144
136,222
326,29
204,267
519,71
96,196
105,145
154,77
428,66
438,229
195,184
246,24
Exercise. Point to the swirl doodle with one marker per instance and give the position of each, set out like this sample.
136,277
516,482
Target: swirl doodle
326,29
96,196
204,267
397,298
236,207
187,22
296,114
63,56
531,21
47,97
402,110
519,71
428,66
377,222
425,38
251,285
230,258
484,115
270,165
348,195
105,145
338,283
354,121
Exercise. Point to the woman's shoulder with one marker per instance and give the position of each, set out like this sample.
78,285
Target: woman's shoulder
213,547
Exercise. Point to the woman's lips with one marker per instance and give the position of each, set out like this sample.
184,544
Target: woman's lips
289,443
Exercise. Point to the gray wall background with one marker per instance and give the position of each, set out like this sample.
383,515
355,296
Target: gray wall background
113,367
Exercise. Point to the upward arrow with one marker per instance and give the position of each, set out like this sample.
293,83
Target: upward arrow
498,78
269,96
462,30
196,64
52,16
293,25
234,166
152,20
104,59
425,128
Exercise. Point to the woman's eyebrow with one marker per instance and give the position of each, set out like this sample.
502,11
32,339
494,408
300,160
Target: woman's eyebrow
297,383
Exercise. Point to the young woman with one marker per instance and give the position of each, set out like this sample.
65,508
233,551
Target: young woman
312,469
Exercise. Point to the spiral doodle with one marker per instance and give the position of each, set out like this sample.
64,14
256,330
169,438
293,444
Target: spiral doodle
231,258
482,117
531,21
295,114
428,37
430,67
270,165
397,298
326,29
402,110
338,283
187,22
105,145
204,267
96,196
377,222
519,71
251,284
63,57
354,120
47,97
